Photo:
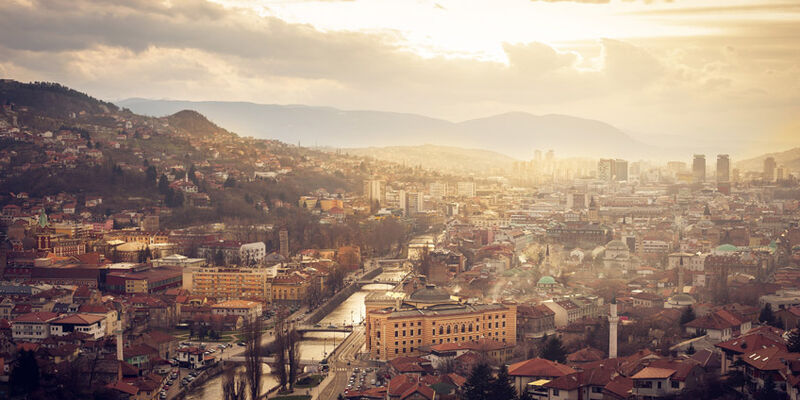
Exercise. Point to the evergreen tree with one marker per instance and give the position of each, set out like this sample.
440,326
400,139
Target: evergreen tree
24,377
163,184
793,344
766,315
503,389
479,384
553,350
192,176
688,315
151,175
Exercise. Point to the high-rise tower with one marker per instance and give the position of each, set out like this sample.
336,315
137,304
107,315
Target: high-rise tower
699,168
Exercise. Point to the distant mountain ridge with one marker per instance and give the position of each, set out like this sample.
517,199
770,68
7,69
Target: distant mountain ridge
789,158
439,158
514,134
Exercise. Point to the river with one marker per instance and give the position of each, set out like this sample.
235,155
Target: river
313,345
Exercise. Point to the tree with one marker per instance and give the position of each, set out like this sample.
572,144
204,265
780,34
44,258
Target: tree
525,396
553,350
151,175
766,315
219,258
233,386
793,342
736,377
687,315
768,391
24,377
503,389
253,365
280,352
293,351
163,184
479,385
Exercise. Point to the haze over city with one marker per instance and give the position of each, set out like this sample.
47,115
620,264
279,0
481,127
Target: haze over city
399,200
702,74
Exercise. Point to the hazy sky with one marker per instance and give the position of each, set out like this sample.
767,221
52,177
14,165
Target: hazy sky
712,71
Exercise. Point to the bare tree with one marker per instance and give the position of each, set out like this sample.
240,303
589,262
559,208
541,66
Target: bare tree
252,356
293,349
234,386
280,352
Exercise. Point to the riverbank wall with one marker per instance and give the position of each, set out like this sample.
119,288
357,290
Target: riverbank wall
338,298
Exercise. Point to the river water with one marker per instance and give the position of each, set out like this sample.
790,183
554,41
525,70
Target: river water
313,345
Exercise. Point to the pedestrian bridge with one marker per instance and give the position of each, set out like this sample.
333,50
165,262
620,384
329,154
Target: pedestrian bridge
269,360
331,328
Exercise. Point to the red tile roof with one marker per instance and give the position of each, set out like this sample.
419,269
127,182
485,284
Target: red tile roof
539,367
654,373
34,317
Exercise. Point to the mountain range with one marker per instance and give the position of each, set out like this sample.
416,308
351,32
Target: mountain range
789,158
514,134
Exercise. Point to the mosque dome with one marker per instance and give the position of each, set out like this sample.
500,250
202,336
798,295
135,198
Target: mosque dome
430,294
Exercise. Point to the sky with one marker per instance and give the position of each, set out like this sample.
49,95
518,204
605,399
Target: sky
713,72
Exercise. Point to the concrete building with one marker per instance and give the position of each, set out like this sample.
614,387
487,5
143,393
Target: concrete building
699,168
723,168
436,319
232,283
769,169
92,325
605,169
249,310
252,253
437,190
374,190
465,189
33,326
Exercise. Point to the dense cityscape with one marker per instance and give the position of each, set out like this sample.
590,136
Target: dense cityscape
399,200
167,258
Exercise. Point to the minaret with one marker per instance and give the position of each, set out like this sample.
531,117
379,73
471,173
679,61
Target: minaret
613,320
118,334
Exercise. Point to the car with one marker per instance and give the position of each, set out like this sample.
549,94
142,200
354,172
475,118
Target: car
241,344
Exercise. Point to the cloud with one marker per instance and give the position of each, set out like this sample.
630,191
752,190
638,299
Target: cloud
199,50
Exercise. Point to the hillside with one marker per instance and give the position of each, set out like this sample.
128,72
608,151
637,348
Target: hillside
440,158
195,123
513,134
50,102
789,158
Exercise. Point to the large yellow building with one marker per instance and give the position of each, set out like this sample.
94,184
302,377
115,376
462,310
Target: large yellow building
289,288
435,318
232,283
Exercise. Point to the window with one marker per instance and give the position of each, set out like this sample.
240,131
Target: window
419,331
395,351
555,392
659,385
379,334
675,384
448,329
597,389
395,333
404,333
